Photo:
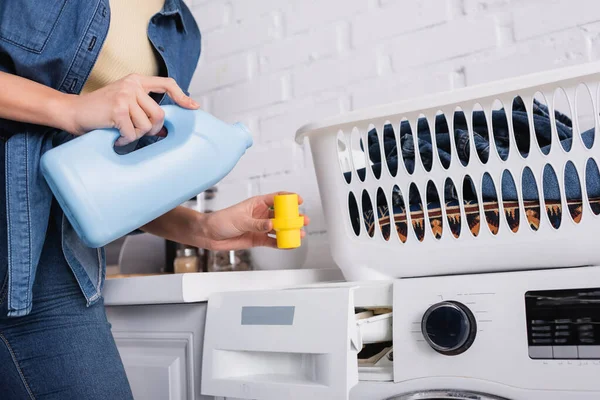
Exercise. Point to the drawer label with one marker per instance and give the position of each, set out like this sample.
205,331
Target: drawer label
275,315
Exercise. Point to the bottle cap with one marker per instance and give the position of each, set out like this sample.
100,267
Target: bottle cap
287,222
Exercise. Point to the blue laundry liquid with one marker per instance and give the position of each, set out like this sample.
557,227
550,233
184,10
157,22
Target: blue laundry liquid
106,195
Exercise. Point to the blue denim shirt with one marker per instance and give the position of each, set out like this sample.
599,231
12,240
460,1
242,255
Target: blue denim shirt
56,43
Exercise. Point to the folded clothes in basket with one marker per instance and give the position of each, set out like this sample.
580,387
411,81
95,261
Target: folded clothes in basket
507,189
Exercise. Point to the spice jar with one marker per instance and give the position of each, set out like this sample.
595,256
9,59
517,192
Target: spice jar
187,260
232,260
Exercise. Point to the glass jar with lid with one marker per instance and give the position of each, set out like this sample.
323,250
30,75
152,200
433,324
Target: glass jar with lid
187,261
228,260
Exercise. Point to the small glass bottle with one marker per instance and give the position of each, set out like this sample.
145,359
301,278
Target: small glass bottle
232,260
187,261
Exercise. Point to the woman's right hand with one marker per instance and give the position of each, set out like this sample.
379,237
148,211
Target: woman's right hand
126,106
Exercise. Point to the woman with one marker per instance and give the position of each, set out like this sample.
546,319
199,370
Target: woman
68,67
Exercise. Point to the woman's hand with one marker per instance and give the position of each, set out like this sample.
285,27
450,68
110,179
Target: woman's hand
125,105
244,225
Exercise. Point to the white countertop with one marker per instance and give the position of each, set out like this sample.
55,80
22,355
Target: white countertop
197,287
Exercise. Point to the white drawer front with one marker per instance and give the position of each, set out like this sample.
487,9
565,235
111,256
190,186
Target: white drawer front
292,344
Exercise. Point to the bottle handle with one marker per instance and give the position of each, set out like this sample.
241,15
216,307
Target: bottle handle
104,138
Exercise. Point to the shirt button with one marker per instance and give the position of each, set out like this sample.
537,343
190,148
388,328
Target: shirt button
161,49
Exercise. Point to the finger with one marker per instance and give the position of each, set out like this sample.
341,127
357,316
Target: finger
306,219
264,241
256,225
269,199
273,232
140,120
169,86
271,215
125,126
155,114
162,132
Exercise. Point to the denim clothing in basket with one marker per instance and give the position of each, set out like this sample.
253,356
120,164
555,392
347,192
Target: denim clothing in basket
507,190
56,43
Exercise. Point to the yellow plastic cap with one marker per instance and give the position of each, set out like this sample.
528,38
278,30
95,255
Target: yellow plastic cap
287,222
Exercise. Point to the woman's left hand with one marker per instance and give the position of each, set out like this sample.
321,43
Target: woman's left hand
244,225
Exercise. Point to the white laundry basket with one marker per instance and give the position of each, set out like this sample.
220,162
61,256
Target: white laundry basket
367,252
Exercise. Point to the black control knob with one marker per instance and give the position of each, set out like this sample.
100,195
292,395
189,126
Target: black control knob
449,327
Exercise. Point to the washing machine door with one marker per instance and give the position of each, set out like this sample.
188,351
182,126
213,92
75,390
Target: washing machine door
446,395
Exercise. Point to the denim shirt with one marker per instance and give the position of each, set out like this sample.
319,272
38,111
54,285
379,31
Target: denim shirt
56,43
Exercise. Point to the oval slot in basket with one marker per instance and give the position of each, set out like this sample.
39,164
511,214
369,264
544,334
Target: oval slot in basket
358,155
390,147
542,131
374,151
586,121
592,185
531,199
500,130
452,205
368,215
442,139
407,142
399,212
353,213
510,201
520,126
417,213
383,214
461,136
424,141
344,154
471,206
573,192
562,119
491,207
434,210
552,200
481,135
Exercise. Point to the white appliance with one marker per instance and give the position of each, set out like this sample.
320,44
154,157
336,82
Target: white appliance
409,328
531,335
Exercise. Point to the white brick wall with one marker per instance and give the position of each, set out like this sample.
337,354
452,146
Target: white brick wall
276,65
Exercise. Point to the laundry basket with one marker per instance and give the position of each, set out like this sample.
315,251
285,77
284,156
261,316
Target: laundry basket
503,176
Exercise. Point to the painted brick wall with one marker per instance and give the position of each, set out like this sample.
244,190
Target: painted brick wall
277,64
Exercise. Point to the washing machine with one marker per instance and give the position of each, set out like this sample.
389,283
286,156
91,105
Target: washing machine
528,335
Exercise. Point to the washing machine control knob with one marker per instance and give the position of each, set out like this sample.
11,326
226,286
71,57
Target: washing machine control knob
449,327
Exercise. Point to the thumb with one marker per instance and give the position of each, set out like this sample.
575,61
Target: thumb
256,225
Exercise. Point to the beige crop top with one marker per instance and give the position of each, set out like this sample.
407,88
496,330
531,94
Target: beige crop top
126,49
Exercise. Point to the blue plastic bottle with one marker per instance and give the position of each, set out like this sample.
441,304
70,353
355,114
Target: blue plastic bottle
106,195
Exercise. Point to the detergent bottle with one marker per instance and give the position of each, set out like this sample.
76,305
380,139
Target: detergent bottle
106,195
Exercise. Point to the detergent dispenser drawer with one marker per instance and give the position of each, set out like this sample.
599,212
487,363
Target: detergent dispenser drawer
286,344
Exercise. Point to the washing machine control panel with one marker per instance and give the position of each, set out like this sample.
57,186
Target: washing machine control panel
449,327
534,330
563,324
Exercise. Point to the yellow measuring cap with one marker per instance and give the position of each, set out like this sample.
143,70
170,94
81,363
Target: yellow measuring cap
287,222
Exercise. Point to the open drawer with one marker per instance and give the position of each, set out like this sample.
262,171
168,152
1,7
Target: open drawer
273,345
